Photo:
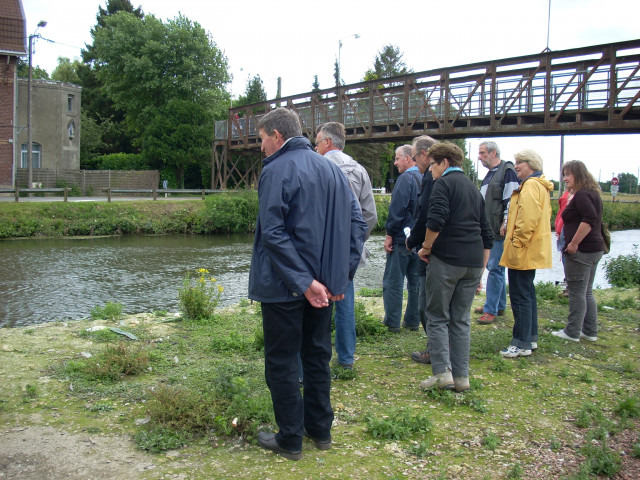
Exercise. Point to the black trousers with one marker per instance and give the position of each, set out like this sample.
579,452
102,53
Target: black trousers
295,330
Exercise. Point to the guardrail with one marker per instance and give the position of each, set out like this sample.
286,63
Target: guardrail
17,191
166,191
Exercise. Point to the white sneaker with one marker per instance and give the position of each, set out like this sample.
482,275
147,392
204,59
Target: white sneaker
534,345
591,339
561,334
512,352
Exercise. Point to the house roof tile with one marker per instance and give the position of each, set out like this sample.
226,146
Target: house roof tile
12,27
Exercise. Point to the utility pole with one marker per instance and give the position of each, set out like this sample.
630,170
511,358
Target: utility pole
42,23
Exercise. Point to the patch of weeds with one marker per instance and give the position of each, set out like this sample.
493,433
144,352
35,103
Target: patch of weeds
340,373
159,439
515,472
160,313
99,336
564,372
367,324
258,338
585,377
555,443
92,430
397,425
588,414
30,392
628,408
232,342
370,292
179,409
635,450
243,303
111,311
601,459
486,342
28,331
420,449
624,270
115,362
502,365
470,398
100,407
491,441
548,291
199,297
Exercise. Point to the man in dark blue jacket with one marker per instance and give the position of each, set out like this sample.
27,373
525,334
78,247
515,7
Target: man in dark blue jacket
401,262
309,237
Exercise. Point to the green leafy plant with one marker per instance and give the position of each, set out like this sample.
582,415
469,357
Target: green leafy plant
111,311
367,325
628,408
113,363
370,292
601,459
491,441
624,270
159,439
397,425
548,291
199,297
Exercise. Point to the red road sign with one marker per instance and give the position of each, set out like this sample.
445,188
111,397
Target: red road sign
614,181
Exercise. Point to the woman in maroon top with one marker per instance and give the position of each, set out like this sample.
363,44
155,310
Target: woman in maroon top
583,250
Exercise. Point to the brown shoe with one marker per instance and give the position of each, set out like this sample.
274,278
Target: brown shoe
486,319
421,357
478,310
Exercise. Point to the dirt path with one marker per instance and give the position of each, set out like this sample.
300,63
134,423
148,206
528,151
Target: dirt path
47,453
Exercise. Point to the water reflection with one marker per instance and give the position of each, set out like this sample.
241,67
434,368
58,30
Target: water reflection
57,279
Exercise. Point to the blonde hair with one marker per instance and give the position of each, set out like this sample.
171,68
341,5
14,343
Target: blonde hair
531,157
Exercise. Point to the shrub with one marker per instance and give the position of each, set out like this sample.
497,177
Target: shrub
199,298
548,291
397,425
111,311
624,270
367,325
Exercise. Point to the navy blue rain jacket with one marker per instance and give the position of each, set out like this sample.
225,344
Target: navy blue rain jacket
309,226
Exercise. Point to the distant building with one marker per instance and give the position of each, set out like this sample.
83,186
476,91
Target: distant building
13,44
55,125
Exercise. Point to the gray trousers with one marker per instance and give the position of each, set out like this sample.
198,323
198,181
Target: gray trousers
451,292
579,271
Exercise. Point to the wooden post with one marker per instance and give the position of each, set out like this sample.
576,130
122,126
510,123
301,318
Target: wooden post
203,194
109,194
66,193
16,192
155,193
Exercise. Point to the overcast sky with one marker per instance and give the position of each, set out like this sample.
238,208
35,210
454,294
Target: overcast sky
297,39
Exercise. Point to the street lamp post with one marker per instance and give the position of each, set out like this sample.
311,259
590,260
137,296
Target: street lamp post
355,35
42,23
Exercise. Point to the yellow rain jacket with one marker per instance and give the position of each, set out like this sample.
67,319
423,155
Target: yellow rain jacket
527,245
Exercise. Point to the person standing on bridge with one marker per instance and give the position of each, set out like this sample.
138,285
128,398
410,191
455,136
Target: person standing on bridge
496,189
330,141
401,262
308,241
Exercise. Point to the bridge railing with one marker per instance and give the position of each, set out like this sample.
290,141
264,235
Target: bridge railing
589,89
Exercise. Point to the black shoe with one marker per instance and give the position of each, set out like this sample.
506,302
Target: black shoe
501,313
394,329
421,357
320,444
268,441
411,329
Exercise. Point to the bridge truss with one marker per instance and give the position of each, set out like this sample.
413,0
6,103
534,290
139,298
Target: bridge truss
586,90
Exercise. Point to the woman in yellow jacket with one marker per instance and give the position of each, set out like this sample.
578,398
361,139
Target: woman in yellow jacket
527,247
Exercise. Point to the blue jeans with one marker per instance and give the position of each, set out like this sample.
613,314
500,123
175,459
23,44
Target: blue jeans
401,263
345,319
580,271
295,330
524,305
496,282
451,291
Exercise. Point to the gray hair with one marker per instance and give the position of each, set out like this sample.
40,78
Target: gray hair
491,147
531,157
423,142
287,122
404,150
334,131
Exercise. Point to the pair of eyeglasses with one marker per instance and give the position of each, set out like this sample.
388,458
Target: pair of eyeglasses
414,157
318,142
432,164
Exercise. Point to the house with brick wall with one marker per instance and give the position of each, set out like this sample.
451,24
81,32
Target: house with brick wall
13,42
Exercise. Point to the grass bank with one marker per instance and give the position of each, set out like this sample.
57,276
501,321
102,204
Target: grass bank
233,212
195,393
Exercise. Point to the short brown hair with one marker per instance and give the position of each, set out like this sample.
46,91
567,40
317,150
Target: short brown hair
448,150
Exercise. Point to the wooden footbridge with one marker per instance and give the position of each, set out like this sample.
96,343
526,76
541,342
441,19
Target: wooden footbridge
585,90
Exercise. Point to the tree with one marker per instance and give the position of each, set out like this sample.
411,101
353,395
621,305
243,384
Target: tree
315,86
336,72
628,183
67,71
253,93
36,73
95,102
388,63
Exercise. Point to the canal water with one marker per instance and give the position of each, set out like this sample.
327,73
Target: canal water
44,280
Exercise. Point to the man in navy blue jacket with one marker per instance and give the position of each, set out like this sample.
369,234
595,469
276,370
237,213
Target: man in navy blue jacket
309,238
401,262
